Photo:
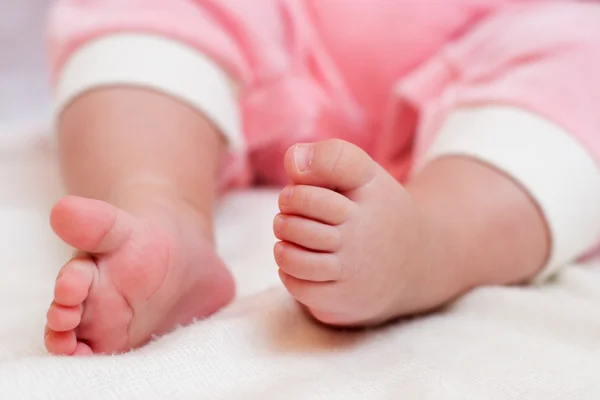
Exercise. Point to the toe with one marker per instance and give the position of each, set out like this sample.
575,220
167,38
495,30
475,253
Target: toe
316,203
307,233
82,350
62,319
73,282
320,295
339,319
60,343
91,225
333,303
333,164
307,265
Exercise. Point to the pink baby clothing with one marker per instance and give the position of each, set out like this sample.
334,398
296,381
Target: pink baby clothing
512,83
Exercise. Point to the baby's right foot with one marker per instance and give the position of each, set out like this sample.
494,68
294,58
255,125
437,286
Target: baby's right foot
353,246
136,276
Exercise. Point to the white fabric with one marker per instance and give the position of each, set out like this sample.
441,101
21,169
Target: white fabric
534,343
160,64
557,172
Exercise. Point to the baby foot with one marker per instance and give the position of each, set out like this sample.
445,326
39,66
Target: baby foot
133,278
352,248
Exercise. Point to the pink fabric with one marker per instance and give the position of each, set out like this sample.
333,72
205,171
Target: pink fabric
382,74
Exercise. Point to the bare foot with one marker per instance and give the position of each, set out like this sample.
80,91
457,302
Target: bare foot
136,276
353,249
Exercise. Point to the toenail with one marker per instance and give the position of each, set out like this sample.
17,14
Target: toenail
278,223
278,251
286,193
303,156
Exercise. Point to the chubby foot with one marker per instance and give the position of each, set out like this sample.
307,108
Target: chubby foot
352,246
135,276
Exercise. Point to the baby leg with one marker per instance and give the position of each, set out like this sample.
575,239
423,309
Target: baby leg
508,190
140,169
357,248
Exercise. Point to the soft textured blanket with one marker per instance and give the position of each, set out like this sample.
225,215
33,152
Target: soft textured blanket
496,343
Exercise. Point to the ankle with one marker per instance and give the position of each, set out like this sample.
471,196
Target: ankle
162,202
443,276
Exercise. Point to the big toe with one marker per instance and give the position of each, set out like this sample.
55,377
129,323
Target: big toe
91,225
334,164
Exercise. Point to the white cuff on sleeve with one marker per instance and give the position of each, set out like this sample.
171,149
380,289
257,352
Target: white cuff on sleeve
158,63
547,161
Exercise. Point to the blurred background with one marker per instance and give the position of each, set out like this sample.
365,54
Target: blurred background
24,91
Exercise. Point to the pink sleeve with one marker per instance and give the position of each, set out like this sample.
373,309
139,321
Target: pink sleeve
543,58
201,52
240,35
524,96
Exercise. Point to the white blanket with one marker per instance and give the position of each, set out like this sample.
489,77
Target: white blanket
496,343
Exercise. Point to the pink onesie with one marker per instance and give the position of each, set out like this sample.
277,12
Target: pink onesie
512,83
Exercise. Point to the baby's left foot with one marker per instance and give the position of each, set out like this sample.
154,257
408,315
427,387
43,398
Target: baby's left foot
353,247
